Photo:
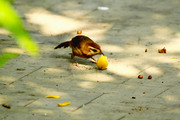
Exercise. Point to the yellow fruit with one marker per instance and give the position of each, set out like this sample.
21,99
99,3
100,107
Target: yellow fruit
52,96
102,62
63,104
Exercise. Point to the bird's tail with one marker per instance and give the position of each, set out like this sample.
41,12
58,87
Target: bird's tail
64,44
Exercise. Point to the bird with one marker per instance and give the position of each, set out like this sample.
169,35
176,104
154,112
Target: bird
82,46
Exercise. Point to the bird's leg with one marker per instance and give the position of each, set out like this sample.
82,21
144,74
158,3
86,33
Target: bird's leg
94,60
73,57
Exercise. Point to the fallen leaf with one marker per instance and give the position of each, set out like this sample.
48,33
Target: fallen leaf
145,50
6,106
173,57
53,96
162,50
20,69
63,104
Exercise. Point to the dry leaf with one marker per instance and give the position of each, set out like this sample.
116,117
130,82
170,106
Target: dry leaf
6,106
173,57
63,104
53,96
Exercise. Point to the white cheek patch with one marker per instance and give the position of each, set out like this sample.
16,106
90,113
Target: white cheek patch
91,47
93,50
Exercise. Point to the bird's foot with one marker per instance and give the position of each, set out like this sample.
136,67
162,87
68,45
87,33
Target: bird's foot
75,64
78,65
94,60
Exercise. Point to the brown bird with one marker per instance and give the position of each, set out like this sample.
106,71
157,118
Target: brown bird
82,46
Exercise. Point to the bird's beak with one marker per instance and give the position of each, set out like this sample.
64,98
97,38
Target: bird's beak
101,53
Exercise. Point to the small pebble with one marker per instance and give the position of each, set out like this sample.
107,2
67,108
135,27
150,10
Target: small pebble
102,8
133,97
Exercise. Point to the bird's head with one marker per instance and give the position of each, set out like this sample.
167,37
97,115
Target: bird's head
94,49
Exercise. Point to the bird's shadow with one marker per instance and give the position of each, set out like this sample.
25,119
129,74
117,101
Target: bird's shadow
80,61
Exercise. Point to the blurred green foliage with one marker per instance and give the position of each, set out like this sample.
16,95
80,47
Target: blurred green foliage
10,20
6,56
10,1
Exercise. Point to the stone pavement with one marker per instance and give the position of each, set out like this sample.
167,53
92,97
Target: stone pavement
124,29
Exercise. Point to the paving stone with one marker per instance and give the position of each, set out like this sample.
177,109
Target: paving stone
124,30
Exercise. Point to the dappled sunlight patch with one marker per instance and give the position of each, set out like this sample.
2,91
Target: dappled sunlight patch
171,98
4,98
6,79
96,77
123,69
112,48
97,31
154,70
53,70
157,16
4,31
174,110
42,111
76,115
179,74
173,45
13,50
44,90
178,34
134,50
52,24
161,32
87,85
163,59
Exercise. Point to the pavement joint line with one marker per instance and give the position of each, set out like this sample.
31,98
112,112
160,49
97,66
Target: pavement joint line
88,102
31,102
26,75
121,117
139,39
90,12
144,70
125,81
162,92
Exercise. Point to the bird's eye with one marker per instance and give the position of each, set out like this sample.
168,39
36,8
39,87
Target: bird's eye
94,50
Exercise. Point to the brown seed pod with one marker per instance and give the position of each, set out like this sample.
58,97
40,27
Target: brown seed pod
160,50
149,77
164,50
140,76
79,32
